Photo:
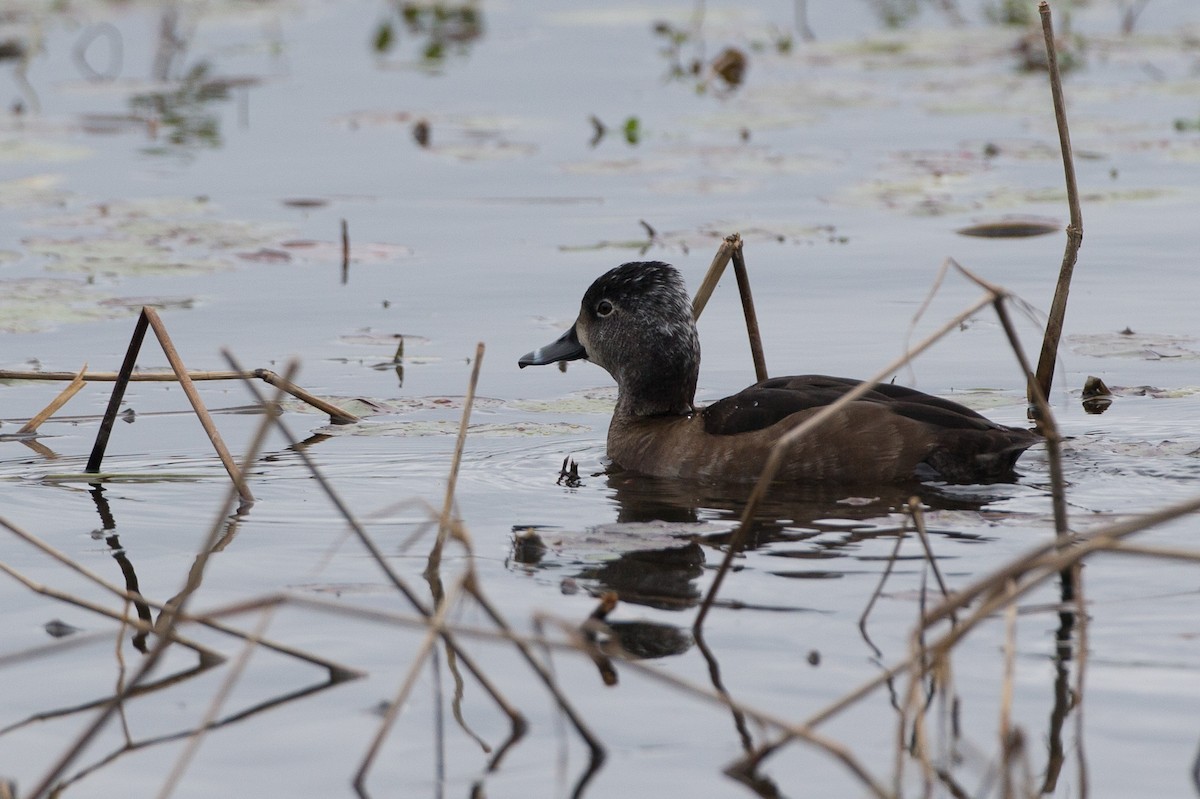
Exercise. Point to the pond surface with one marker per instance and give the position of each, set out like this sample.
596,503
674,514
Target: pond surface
201,159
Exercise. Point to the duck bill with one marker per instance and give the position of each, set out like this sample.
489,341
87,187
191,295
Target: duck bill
565,348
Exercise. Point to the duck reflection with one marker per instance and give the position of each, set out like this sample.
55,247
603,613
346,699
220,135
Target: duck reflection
655,552
787,513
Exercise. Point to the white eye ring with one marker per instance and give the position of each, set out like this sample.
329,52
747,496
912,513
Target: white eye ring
604,308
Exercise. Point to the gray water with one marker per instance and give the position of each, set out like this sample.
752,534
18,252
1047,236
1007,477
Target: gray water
847,164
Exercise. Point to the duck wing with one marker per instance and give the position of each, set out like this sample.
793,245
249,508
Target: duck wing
967,446
763,404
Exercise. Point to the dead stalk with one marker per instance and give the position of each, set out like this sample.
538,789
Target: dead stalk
713,275
62,399
887,572
433,629
775,459
336,414
516,720
1010,665
149,318
1058,308
168,618
214,707
435,555
743,281
918,517
1081,661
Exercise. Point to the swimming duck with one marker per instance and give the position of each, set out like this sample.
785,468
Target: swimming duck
636,323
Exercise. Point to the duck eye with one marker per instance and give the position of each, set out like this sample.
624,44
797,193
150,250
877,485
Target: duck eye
604,308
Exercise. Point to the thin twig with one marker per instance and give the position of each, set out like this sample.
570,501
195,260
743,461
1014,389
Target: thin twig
781,447
883,578
336,414
165,627
743,281
435,555
517,722
214,706
62,399
214,435
713,275
434,628
1010,666
114,401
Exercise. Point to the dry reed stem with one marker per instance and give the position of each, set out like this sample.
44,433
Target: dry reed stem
434,626
214,707
1010,669
1043,563
337,671
149,317
1047,426
575,643
918,517
743,281
114,400
121,593
435,555
593,743
1058,308
62,399
167,620
1081,660
779,450
336,414
763,717
883,578
517,721
1050,555
713,275
1040,564
731,249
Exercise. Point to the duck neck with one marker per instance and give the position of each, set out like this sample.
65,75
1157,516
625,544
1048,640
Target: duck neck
658,387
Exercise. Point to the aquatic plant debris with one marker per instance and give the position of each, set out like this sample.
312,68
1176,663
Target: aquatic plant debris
1145,346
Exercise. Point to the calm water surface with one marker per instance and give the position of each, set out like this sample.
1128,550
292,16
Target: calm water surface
214,185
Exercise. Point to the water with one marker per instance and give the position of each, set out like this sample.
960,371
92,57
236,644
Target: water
866,151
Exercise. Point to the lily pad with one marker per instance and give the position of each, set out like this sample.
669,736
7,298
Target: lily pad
117,256
1012,227
1144,346
592,401
30,305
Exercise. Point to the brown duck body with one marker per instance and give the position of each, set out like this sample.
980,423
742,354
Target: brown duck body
877,439
636,323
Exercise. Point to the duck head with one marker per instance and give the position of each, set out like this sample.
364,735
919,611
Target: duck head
636,323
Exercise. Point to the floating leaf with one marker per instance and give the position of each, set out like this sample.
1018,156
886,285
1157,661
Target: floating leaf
29,305
1146,346
1012,227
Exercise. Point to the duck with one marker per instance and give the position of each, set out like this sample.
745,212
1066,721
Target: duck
635,322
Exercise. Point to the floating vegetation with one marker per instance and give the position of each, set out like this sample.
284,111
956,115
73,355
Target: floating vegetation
440,29
1012,227
34,304
1143,346
184,111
